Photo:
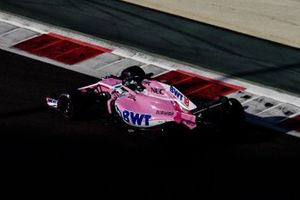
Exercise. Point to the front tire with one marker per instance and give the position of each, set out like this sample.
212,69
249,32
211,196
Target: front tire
70,104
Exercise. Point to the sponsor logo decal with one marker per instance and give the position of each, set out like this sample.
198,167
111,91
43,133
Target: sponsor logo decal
157,91
176,93
163,112
179,96
136,118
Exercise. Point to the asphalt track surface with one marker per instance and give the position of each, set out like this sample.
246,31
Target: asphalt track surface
234,54
253,163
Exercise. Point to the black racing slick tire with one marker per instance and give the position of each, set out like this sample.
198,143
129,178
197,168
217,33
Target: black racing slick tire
236,110
230,118
70,104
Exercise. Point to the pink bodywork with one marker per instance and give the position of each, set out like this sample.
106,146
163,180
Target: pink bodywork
157,104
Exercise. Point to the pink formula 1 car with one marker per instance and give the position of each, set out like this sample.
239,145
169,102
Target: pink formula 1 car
142,102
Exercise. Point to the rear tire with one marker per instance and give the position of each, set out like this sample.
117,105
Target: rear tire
233,117
236,111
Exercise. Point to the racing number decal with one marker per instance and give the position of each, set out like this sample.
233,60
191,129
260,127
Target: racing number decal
136,118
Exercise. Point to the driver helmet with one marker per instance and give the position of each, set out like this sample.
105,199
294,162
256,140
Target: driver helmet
133,77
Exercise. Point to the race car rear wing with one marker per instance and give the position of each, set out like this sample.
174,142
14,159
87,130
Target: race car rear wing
212,105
